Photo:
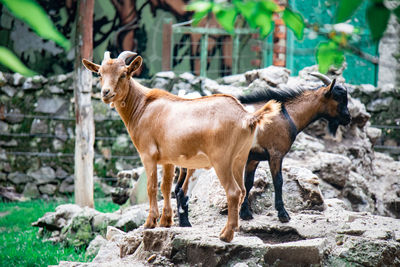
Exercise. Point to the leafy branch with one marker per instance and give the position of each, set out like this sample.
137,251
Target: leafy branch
259,14
33,15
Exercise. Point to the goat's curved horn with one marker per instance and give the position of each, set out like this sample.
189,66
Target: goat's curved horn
325,79
126,54
107,55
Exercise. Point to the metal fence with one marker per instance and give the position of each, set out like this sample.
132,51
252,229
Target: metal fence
45,138
213,52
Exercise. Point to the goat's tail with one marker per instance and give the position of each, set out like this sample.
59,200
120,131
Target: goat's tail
263,116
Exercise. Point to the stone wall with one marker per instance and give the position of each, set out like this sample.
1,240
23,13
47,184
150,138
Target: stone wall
37,130
384,106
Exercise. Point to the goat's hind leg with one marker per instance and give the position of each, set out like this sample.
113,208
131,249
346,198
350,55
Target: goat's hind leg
238,171
167,214
276,171
233,194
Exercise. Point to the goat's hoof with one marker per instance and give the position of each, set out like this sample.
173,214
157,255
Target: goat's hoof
246,215
226,235
284,216
166,222
185,224
150,223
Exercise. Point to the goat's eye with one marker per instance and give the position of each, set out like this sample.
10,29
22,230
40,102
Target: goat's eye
123,76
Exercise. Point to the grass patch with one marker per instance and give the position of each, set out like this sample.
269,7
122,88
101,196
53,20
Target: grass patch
19,244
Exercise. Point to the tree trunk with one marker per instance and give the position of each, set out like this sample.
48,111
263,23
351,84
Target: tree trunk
84,129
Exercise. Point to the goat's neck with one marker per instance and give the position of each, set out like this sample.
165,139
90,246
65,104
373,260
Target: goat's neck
304,110
131,108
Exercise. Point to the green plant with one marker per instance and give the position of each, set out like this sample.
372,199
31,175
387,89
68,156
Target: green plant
19,242
33,15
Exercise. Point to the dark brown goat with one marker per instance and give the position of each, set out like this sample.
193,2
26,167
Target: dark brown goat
299,109
214,131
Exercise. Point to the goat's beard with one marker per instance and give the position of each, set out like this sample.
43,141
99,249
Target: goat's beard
333,126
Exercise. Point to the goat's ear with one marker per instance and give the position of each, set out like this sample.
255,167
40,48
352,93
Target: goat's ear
90,65
330,88
135,65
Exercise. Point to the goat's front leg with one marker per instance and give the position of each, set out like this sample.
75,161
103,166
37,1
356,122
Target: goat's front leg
276,172
152,187
166,184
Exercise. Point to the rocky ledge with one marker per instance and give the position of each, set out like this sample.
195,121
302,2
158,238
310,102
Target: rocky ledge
333,237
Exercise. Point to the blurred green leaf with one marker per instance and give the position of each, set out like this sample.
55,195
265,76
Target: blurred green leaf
295,22
328,54
226,18
11,61
377,17
32,14
201,9
346,9
263,19
199,6
198,16
270,5
247,10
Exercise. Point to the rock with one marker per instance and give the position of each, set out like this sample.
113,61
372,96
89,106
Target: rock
370,252
373,134
114,233
368,89
54,89
166,75
50,105
306,142
60,132
55,221
132,219
32,83
79,232
94,246
359,116
333,168
379,105
18,178
67,185
181,86
61,173
31,190
303,252
14,116
161,83
272,75
48,189
11,143
187,76
8,194
235,80
9,90
3,127
43,175
17,79
39,127
101,221
308,183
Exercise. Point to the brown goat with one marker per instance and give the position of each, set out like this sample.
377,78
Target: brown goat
214,131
